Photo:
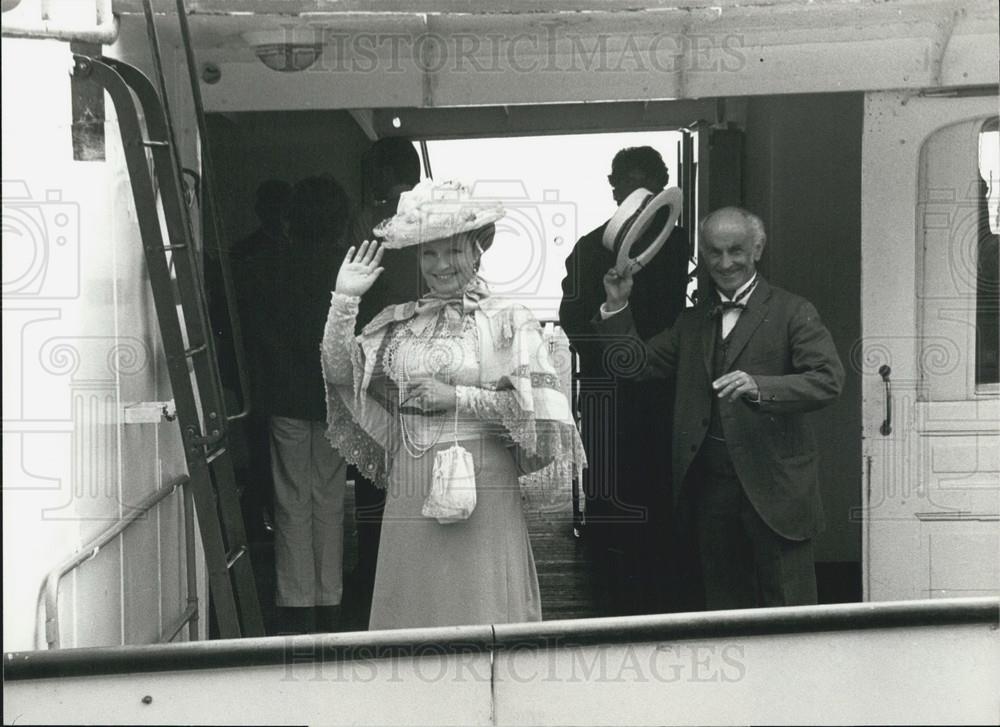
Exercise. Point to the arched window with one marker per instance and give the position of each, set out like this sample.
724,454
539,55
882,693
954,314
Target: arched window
957,259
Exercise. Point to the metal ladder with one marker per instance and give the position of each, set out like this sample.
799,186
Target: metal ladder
182,312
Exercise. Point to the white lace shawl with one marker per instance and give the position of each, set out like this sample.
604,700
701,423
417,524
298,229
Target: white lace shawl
518,389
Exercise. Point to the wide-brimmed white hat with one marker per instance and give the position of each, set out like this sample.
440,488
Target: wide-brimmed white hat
436,210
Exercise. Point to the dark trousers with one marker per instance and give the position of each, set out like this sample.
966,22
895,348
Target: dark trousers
258,493
628,499
744,563
369,504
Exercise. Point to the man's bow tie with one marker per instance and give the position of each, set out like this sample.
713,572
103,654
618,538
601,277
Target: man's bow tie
738,303
725,305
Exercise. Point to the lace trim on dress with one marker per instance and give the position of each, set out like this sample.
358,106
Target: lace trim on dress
522,393
517,388
354,444
543,444
433,331
343,367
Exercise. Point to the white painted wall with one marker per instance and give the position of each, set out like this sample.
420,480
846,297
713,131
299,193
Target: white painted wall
948,675
940,458
79,342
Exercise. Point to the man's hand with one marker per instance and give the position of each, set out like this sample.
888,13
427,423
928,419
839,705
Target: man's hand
736,384
617,288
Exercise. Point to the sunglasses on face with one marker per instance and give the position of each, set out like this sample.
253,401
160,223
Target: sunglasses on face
622,180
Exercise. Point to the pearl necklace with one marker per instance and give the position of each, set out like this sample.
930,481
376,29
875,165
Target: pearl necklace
422,344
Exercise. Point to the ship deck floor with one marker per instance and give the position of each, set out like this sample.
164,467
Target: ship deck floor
580,576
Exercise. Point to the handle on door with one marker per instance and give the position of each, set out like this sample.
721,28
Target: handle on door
886,428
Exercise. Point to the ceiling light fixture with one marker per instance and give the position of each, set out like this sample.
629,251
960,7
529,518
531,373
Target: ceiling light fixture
287,50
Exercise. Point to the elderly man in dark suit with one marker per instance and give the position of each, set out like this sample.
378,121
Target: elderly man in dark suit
749,361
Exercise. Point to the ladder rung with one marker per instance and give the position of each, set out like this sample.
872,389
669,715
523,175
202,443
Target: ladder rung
235,556
177,246
189,352
158,144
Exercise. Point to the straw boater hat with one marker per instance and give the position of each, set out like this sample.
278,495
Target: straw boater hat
633,218
436,210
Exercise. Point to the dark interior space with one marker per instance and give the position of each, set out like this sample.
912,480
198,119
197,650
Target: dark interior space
802,175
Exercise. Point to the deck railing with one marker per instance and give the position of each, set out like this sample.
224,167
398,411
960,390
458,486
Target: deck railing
50,586
914,662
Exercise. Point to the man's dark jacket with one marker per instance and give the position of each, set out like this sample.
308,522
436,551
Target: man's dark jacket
626,424
779,340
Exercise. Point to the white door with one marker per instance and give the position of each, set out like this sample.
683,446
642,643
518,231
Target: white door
932,457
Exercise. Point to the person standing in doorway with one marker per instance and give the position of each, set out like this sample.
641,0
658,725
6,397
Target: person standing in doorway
749,360
251,258
309,476
625,424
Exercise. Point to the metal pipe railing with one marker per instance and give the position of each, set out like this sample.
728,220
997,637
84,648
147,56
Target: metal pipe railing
187,615
485,639
191,565
50,586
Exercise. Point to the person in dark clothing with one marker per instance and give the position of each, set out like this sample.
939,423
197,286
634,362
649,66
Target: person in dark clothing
626,425
391,167
271,208
265,244
309,475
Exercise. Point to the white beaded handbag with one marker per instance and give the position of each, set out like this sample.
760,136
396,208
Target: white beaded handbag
452,497
453,490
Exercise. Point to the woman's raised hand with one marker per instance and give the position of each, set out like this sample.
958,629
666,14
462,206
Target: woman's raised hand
360,269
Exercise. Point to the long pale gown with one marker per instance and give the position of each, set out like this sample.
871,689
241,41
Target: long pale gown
477,571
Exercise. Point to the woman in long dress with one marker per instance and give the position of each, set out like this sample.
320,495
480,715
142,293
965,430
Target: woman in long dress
457,368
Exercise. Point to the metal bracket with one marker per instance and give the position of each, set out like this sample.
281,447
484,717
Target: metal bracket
150,412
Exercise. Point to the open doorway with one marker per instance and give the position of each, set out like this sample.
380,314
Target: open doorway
555,190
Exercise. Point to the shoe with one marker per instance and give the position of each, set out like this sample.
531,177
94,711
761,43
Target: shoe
327,619
296,620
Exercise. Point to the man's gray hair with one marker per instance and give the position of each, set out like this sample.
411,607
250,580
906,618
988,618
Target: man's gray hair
753,223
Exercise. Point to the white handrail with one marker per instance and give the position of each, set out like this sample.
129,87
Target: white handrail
50,586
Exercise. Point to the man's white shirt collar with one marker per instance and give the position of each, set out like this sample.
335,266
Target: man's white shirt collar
739,291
